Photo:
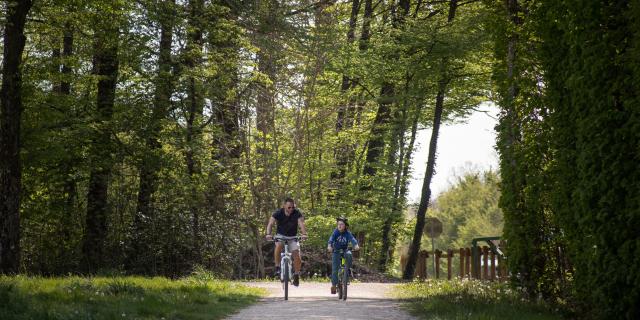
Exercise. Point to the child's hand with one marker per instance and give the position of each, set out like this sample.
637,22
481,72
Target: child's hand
356,248
330,249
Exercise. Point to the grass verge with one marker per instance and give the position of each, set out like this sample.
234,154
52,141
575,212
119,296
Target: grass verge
435,299
121,298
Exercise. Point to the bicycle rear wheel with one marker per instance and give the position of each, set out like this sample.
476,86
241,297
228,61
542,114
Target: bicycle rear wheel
285,283
345,281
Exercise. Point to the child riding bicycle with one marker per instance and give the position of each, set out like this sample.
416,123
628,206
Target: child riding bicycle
338,244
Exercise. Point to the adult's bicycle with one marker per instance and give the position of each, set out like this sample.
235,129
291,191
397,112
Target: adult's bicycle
286,272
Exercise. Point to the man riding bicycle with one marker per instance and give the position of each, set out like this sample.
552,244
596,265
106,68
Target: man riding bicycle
288,218
338,244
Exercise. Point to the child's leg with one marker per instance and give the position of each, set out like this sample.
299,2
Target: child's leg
336,259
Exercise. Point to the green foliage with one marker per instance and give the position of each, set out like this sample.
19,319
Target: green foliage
470,300
592,64
121,298
469,209
568,140
217,175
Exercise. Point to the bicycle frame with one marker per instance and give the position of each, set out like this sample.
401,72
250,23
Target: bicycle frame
286,272
285,258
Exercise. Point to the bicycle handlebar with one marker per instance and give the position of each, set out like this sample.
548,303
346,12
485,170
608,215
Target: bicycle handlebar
278,238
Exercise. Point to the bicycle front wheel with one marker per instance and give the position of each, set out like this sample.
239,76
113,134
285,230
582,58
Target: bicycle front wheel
345,281
285,283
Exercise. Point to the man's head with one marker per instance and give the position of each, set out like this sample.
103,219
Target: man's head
289,205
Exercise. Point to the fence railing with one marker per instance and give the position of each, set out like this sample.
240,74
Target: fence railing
489,265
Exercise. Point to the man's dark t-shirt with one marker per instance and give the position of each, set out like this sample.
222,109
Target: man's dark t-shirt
287,225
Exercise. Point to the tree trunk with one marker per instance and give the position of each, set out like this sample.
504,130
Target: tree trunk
144,216
426,186
69,190
406,162
345,111
395,160
509,140
414,249
194,119
375,145
226,147
10,112
365,35
265,115
67,51
105,65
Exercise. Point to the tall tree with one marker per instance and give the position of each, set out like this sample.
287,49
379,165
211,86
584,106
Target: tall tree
269,28
195,94
345,109
105,67
376,141
10,113
425,196
151,162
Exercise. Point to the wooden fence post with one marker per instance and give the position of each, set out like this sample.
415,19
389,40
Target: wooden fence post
493,265
485,260
467,267
462,256
437,257
502,267
449,258
421,265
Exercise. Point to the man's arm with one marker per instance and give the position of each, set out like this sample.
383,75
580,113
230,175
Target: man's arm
272,220
302,227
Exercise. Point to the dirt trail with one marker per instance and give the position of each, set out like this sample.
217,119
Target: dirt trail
365,301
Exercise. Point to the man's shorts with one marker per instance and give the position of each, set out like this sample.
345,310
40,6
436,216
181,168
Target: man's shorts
293,244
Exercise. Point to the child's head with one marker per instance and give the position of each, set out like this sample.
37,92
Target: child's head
342,224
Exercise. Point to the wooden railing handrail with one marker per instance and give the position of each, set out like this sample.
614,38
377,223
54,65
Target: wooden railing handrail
490,266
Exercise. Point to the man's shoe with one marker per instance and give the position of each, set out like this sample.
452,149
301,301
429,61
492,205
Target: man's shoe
296,279
333,289
276,272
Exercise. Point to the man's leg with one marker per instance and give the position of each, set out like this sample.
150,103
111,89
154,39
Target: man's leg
297,261
297,265
276,257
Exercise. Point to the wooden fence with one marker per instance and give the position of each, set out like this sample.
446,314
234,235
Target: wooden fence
488,265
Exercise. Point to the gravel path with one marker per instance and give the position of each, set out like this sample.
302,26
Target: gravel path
365,301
